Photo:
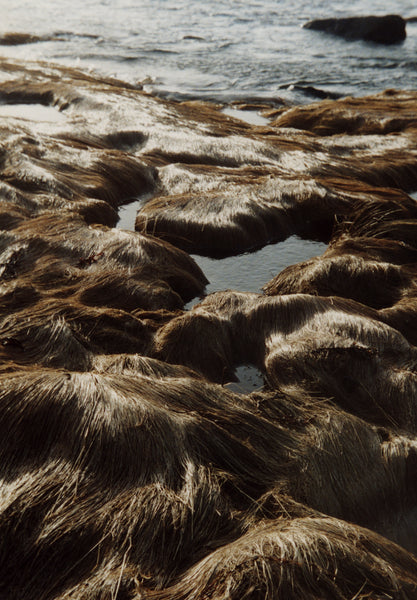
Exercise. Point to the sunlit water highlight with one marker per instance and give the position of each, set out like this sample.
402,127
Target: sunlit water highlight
31,112
217,49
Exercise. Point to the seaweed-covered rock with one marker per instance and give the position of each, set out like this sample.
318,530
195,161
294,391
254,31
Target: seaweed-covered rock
128,469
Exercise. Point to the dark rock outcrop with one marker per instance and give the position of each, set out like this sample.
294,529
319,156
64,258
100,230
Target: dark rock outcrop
18,38
388,29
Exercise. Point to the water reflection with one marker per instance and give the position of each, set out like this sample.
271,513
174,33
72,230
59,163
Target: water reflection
250,271
249,378
31,112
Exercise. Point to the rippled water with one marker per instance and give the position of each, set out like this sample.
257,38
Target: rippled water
252,270
220,49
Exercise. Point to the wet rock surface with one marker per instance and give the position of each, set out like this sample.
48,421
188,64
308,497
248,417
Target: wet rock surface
128,468
388,29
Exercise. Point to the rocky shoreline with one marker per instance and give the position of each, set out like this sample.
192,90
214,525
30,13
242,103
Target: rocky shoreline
128,468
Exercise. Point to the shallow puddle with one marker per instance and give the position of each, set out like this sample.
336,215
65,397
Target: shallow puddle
248,272
250,379
249,116
32,112
127,212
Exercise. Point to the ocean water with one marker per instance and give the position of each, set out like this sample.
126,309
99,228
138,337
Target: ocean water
218,49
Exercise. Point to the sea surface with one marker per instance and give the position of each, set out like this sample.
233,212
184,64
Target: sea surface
221,50
216,49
